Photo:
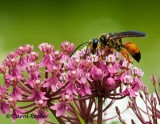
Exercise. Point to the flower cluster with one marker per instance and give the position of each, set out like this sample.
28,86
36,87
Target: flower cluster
73,88
144,108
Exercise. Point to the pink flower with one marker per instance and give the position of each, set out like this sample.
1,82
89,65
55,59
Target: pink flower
84,90
48,56
61,109
86,65
32,57
17,93
71,88
137,84
137,72
61,82
37,94
72,63
58,54
2,69
64,59
29,48
4,106
22,63
21,51
33,73
125,64
16,111
41,115
53,83
129,92
47,61
13,68
94,58
46,48
2,92
67,47
117,55
110,58
127,79
11,55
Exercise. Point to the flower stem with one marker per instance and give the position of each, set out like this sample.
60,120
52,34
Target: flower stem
59,119
99,120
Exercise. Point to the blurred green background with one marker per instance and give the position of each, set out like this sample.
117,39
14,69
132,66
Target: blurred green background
53,21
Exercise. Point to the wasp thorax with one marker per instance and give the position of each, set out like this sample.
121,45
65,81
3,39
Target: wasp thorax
104,39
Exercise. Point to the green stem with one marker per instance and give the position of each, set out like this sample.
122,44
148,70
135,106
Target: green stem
59,119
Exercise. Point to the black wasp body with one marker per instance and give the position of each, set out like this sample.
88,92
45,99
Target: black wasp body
113,41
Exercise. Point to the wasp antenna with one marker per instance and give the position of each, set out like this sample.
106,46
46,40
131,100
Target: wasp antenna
77,48
86,50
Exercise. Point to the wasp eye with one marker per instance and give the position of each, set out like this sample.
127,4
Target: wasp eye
95,43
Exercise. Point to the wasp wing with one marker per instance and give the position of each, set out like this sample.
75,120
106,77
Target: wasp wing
120,35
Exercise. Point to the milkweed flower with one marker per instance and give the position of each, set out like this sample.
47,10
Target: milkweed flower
72,88
3,103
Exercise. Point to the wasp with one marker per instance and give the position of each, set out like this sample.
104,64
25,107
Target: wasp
113,41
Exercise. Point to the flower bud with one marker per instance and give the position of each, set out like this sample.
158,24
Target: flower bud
155,101
117,110
132,121
110,82
145,90
153,79
97,73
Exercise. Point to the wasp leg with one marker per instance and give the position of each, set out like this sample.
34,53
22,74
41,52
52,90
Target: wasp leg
106,51
126,55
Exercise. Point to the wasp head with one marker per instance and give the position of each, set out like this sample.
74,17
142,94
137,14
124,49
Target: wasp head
93,45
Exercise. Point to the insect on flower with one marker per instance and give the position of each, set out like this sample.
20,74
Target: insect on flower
113,42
